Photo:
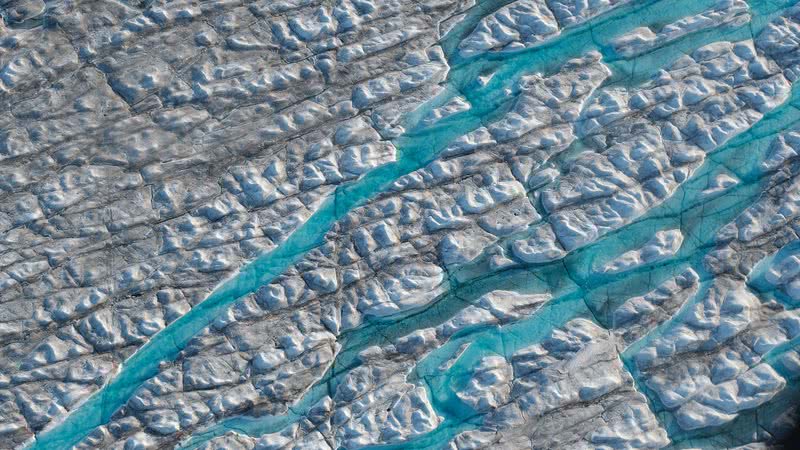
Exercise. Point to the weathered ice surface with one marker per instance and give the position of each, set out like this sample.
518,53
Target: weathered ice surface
150,152
569,391
640,40
384,258
523,23
460,224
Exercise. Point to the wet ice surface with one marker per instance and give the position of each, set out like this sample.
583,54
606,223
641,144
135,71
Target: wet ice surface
368,223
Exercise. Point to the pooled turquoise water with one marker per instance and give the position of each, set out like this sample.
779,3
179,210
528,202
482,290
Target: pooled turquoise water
579,290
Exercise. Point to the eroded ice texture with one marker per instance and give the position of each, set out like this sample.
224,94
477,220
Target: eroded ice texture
437,224
640,40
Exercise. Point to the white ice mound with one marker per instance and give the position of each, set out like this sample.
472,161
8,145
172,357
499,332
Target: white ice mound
663,245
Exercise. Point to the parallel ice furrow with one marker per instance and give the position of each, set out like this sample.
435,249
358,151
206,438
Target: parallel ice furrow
514,210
